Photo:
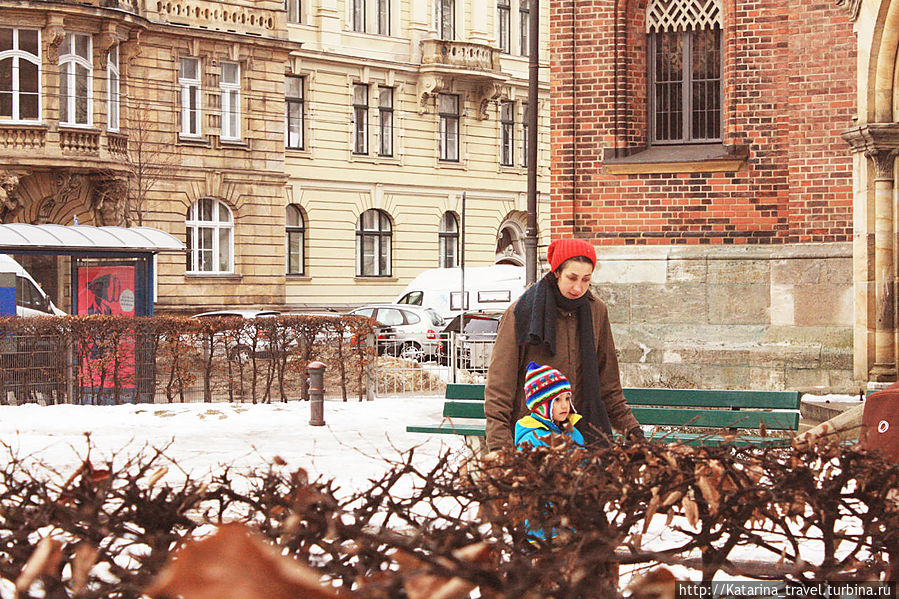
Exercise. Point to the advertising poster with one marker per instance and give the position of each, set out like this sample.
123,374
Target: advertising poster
107,290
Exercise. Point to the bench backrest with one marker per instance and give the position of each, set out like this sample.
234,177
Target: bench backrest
708,408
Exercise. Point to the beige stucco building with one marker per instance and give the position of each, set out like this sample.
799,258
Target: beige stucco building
308,153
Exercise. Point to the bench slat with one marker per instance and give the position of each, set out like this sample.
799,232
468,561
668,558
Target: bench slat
696,398
716,418
463,409
450,428
712,398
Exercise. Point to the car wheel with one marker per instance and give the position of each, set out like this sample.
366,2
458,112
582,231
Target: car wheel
411,351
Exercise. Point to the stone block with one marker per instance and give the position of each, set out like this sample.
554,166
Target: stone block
629,271
781,310
807,379
669,304
766,379
742,272
825,336
823,305
725,377
687,271
738,304
812,271
617,300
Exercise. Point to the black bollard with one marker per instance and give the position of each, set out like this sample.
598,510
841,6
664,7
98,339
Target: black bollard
316,372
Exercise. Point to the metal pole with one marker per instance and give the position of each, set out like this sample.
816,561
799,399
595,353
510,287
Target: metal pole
462,265
530,236
316,372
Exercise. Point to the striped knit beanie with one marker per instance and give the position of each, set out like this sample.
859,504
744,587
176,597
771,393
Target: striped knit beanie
542,385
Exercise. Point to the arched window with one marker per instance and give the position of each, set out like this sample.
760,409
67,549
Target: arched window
449,240
684,70
20,74
210,237
76,74
296,241
373,241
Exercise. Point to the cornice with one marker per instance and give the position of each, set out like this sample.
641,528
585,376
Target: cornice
873,137
851,7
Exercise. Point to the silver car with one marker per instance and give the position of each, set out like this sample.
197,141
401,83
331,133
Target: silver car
416,330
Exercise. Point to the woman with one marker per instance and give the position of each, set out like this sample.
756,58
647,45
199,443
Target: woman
560,323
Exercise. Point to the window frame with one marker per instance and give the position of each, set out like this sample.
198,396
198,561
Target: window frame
113,90
384,231
685,38
524,27
230,98
383,17
193,225
294,9
360,119
69,61
191,88
357,16
445,19
504,25
447,238
300,102
385,113
507,133
291,232
16,55
524,134
445,120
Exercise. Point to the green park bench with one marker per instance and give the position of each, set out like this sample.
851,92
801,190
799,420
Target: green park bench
720,415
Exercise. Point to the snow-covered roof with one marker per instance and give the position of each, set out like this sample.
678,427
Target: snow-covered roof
21,237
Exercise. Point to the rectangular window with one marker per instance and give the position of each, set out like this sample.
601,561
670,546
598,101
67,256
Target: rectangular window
76,80
503,18
507,136
112,89
448,110
358,8
294,119
189,81
230,88
20,60
685,83
524,134
293,11
360,118
384,17
385,121
445,15
524,26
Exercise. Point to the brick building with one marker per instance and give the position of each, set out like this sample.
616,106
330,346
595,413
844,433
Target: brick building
697,144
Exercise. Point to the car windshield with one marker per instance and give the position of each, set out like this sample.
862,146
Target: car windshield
481,325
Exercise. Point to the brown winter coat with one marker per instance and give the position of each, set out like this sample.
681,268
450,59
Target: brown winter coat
504,393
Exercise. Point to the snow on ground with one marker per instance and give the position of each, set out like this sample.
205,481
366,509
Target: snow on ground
351,447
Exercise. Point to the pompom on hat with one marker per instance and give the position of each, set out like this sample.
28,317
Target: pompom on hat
561,250
542,385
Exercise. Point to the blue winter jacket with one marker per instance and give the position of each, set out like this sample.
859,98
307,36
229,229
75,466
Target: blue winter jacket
533,429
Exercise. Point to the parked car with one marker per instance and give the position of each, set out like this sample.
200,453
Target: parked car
474,344
415,330
243,345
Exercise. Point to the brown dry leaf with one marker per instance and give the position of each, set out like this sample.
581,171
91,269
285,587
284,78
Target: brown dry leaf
672,498
85,558
44,560
279,461
651,509
430,586
238,564
690,509
157,475
656,584
709,493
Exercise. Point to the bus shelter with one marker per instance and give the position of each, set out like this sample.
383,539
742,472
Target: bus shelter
85,270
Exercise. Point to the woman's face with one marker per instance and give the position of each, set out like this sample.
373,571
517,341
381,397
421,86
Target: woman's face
574,278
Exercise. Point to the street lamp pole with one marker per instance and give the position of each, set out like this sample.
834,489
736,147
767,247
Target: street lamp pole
530,235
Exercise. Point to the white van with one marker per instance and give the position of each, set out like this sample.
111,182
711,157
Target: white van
487,288
30,298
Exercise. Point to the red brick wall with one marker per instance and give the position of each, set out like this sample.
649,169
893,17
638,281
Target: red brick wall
789,90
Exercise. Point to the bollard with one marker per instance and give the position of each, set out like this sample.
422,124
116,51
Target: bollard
316,372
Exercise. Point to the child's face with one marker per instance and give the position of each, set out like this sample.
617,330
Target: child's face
562,407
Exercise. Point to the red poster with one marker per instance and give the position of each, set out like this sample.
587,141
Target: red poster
107,290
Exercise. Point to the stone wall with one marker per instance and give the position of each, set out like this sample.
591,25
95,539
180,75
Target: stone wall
767,317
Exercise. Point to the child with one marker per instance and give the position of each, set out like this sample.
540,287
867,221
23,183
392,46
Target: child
548,397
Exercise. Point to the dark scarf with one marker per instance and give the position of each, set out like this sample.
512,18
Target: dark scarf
535,324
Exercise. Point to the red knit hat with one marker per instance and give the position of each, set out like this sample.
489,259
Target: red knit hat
561,250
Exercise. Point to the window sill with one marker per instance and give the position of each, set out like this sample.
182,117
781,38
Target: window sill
456,165
23,125
77,127
298,153
230,276
390,279
201,142
687,158
298,278
375,159
237,144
